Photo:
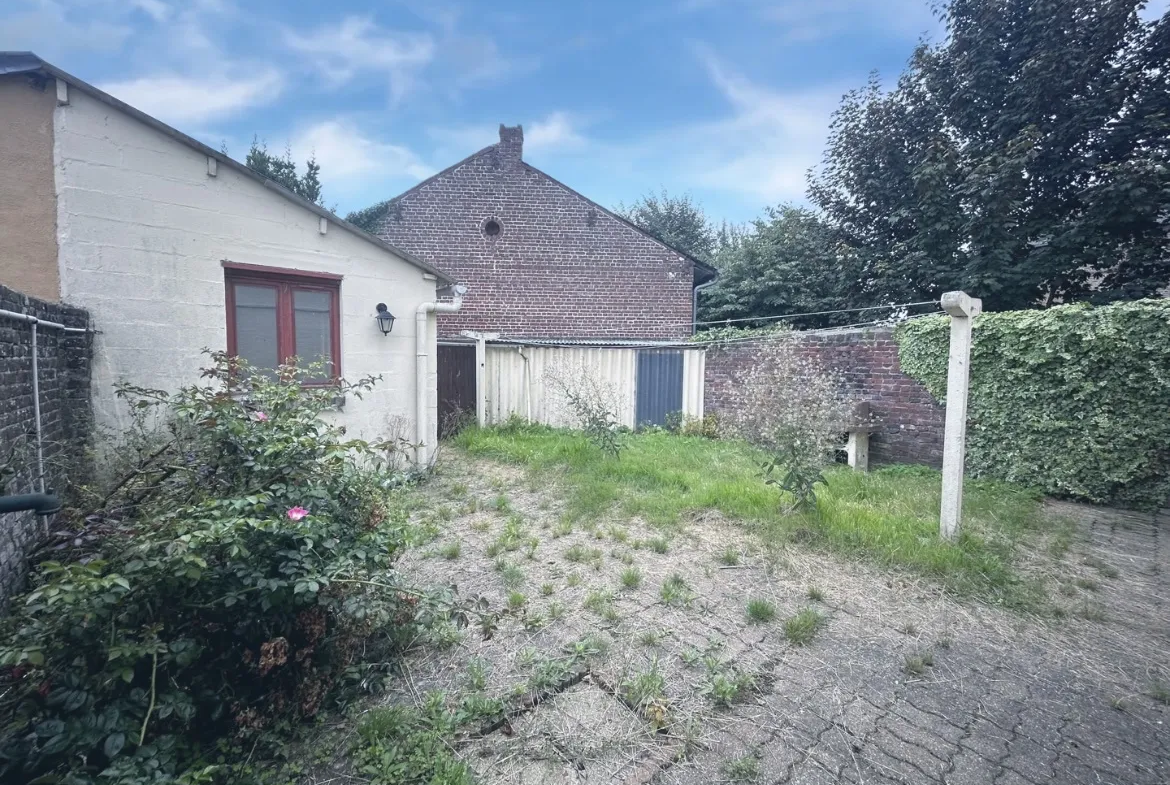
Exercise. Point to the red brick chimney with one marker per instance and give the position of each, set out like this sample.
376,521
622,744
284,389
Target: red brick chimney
511,145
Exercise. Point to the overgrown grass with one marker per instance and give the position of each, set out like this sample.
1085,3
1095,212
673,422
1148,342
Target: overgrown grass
889,516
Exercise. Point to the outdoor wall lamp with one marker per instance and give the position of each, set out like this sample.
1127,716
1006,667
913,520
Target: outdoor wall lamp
385,319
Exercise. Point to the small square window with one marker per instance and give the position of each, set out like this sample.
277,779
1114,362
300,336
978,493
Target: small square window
274,316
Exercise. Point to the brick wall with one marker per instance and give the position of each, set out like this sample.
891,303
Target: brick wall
64,360
560,266
909,420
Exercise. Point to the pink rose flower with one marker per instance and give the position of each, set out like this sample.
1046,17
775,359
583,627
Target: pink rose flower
260,416
296,513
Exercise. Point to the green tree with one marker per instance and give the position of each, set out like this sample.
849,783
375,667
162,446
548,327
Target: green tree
283,170
676,220
1025,159
786,262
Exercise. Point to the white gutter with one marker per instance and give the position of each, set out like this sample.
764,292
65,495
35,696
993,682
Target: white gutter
36,380
421,333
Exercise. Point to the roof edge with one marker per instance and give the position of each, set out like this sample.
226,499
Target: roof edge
33,63
434,176
708,272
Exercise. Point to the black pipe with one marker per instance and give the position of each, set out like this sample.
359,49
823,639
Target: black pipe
39,503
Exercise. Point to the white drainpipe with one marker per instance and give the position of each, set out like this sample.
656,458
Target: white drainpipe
420,367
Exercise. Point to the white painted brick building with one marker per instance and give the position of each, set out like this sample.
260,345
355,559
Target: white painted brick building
172,248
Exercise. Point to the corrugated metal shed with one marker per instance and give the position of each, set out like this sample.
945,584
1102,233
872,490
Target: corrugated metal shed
526,379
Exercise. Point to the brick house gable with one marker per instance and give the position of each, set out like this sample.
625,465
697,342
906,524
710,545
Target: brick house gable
540,259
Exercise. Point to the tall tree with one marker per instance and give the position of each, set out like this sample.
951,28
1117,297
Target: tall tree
1025,159
676,220
283,170
786,262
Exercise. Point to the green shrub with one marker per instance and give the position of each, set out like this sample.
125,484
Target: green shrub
238,576
1074,400
706,426
592,403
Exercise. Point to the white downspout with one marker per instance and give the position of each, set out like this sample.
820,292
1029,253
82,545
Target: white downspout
421,333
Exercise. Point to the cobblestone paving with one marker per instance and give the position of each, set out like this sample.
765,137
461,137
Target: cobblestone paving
1002,704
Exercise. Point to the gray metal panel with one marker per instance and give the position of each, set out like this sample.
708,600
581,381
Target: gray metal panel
660,385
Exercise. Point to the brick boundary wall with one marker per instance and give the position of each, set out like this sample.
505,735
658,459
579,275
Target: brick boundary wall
909,420
64,361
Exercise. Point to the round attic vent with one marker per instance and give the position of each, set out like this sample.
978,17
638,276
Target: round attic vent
491,227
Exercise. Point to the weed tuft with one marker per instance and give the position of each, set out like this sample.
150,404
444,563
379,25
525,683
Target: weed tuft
760,611
916,664
676,591
658,544
598,600
745,769
803,627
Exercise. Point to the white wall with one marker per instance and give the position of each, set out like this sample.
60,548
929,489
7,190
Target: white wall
518,380
142,229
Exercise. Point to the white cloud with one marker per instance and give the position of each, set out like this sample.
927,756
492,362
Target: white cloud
556,132
51,32
804,21
358,45
553,132
760,150
179,99
345,153
155,9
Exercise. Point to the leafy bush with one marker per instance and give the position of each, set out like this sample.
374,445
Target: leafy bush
592,406
789,405
242,575
1073,400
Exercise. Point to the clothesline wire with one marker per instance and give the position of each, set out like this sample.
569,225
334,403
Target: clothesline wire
624,330
817,331
814,313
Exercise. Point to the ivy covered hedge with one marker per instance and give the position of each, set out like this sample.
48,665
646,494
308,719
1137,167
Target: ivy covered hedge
1074,400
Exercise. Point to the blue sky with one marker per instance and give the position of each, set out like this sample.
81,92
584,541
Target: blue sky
728,100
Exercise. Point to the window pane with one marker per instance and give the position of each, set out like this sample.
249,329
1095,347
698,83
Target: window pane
256,325
313,331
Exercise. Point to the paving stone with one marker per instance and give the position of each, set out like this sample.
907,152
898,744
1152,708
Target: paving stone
970,768
1030,760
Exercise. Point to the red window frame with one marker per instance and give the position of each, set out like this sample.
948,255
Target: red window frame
285,282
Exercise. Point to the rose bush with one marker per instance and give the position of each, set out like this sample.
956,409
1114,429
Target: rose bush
244,568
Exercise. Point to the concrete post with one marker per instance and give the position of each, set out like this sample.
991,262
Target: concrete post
857,449
481,380
962,309
481,340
